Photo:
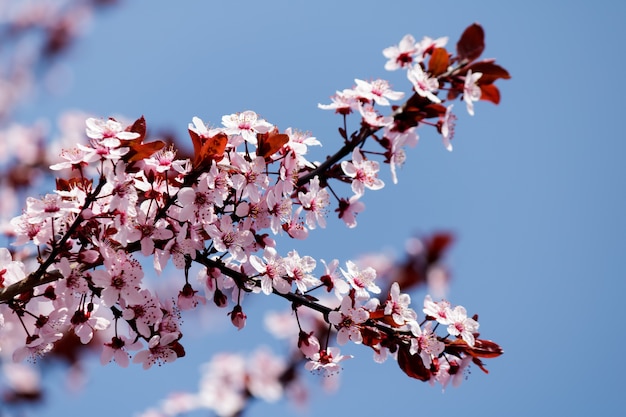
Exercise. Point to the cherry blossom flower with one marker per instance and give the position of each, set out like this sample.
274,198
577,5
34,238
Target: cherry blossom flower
439,311
397,306
315,202
108,132
76,158
119,278
187,298
250,177
448,122
264,375
326,361
159,351
146,313
238,317
10,271
117,350
427,44
85,323
331,279
295,226
299,143
372,117
228,238
223,383
347,321
378,91
425,343
423,84
246,124
299,269
461,325
364,173
471,91
401,55
51,206
146,230
308,344
343,102
197,204
272,271
452,370
162,161
348,209
361,281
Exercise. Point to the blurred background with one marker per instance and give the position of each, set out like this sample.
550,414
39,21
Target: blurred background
531,191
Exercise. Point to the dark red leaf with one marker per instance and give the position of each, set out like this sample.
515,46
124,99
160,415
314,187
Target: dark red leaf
139,151
207,149
490,70
270,143
472,43
439,61
490,92
412,365
139,127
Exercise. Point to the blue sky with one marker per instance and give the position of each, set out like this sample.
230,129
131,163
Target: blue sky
531,190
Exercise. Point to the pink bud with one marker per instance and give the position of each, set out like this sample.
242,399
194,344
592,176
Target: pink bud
237,317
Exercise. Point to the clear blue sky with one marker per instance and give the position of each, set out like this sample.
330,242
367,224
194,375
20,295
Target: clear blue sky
532,189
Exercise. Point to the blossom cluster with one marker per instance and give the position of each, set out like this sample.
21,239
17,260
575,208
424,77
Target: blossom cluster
122,202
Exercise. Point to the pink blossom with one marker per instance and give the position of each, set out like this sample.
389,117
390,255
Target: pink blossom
272,271
228,238
439,311
448,122
76,158
187,298
159,351
146,313
347,321
108,132
378,91
471,90
246,124
264,375
117,350
397,306
425,343
332,280
315,202
120,278
348,210
401,55
299,269
461,325
343,102
326,361
364,173
423,84
361,281
85,323
238,317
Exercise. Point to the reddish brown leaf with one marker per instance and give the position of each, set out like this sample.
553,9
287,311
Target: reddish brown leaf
412,365
139,127
270,143
437,246
490,70
490,92
439,61
472,43
208,149
486,349
139,151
